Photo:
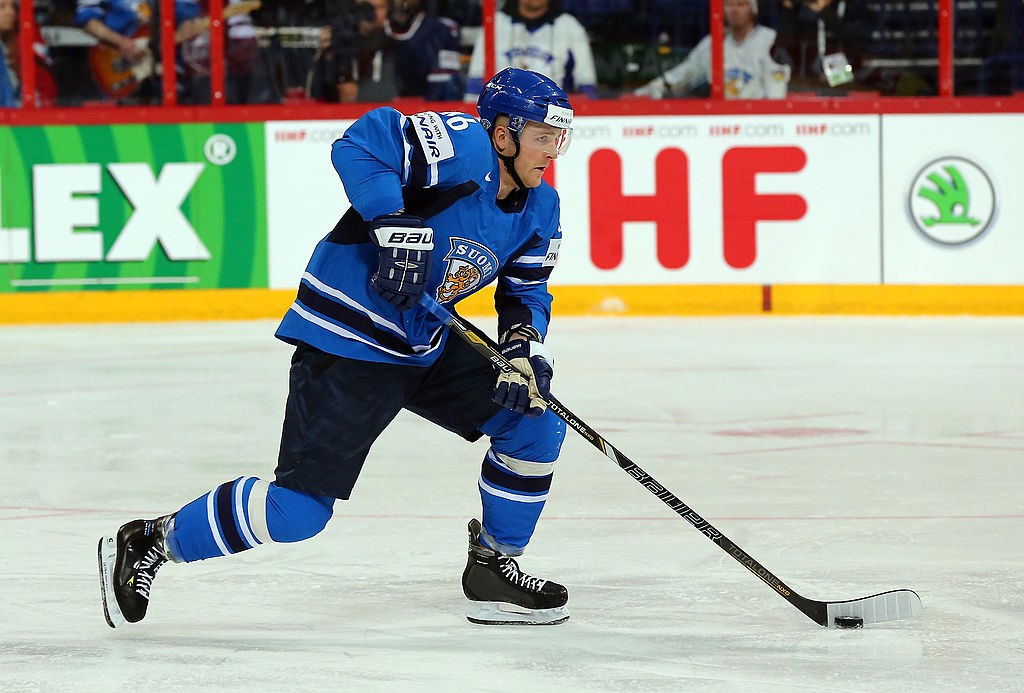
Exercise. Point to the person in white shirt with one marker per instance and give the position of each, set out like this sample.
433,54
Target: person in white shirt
750,70
538,35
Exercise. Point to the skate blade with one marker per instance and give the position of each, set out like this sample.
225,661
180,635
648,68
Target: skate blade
107,556
505,614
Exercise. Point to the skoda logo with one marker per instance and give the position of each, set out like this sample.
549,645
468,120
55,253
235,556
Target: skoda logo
951,201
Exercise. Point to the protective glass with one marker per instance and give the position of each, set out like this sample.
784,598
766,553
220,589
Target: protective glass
563,141
538,136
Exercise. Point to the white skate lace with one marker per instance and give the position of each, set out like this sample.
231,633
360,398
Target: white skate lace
145,570
510,569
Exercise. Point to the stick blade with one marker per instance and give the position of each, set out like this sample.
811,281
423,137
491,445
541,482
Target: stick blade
894,605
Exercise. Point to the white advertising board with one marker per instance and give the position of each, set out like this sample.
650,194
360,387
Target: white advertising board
950,211
720,200
654,199
305,198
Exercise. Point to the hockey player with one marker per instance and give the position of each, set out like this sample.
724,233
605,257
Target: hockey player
442,204
538,35
750,70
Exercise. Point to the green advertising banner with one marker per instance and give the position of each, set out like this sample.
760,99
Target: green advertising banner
103,207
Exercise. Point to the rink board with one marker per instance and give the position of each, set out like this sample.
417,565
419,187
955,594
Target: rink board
661,215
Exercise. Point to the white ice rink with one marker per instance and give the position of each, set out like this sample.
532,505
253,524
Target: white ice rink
849,456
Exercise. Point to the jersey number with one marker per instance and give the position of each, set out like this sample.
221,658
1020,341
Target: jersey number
457,120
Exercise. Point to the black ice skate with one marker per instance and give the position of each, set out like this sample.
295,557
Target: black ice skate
501,594
128,563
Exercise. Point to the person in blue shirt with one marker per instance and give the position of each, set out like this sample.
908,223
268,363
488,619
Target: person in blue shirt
10,61
124,25
443,205
9,96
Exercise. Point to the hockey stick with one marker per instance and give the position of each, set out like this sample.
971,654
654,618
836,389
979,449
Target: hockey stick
884,606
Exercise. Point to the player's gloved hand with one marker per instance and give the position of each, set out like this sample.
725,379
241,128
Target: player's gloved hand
404,264
527,390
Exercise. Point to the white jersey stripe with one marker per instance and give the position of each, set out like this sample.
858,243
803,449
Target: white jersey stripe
211,517
240,513
352,303
487,488
523,282
518,466
407,154
258,511
529,260
342,332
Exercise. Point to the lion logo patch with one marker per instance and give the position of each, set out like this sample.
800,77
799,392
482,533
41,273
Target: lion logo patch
470,266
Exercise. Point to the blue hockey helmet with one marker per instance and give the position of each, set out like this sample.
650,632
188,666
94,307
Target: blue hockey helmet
523,96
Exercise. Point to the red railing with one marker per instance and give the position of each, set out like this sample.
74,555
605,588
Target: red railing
717,50
27,55
216,52
945,47
168,77
220,110
489,12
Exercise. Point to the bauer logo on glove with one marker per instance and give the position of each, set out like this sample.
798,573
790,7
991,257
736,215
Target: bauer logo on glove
404,264
392,237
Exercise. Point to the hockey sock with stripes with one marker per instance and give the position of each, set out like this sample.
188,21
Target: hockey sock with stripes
512,501
242,514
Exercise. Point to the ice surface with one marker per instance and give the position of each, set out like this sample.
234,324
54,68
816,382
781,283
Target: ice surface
849,456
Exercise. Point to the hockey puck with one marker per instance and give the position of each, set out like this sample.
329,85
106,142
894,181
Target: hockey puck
849,622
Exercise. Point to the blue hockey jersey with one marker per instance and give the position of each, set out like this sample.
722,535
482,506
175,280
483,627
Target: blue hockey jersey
128,16
442,167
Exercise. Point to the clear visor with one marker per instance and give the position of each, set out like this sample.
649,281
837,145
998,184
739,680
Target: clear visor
551,139
563,141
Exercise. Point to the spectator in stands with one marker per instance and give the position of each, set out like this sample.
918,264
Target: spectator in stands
537,35
9,97
426,52
354,61
820,37
124,25
1002,71
751,72
241,49
10,56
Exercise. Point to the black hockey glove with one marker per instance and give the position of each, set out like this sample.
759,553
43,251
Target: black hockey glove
404,264
526,391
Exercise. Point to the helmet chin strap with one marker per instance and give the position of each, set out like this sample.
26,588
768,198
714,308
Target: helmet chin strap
510,162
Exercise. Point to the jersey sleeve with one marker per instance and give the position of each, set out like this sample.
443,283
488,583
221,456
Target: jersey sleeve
584,73
774,76
475,73
88,9
385,151
521,297
185,10
369,160
694,69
